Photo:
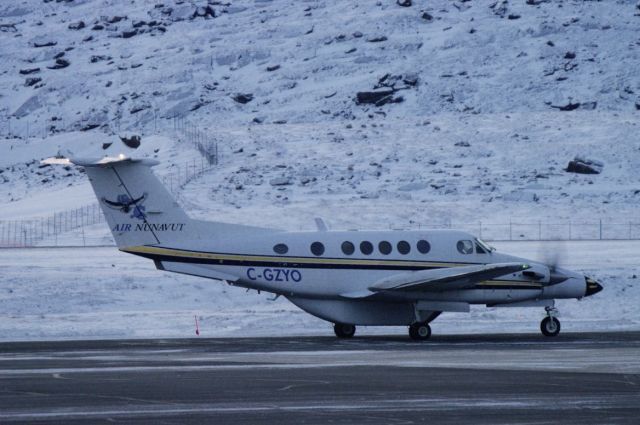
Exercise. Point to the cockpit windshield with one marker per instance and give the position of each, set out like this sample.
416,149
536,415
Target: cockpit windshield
483,246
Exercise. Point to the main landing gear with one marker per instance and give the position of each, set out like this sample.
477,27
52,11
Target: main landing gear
550,326
344,330
420,331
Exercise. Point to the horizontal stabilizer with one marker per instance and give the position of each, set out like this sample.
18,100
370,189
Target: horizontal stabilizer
446,279
67,158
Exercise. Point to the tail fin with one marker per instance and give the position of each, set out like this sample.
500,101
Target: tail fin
137,206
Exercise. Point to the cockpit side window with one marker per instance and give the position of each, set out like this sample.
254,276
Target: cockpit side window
465,247
480,249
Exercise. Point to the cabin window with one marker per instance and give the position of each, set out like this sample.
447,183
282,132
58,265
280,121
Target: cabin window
465,247
480,249
366,247
385,247
423,246
281,248
348,248
404,247
317,248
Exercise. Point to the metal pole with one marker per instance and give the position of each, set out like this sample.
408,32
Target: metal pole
600,229
539,230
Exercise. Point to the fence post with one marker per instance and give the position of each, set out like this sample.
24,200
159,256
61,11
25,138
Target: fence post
600,229
539,230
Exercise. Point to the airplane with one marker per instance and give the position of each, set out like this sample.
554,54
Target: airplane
349,278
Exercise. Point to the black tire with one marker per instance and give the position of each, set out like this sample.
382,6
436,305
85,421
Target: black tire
550,326
420,331
344,330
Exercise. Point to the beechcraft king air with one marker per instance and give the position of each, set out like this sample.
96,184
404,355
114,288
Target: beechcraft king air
372,278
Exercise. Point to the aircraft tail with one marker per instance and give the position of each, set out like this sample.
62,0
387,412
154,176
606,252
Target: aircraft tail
137,206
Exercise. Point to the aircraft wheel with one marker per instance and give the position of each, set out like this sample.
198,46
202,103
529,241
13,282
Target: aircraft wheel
344,330
420,331
550,326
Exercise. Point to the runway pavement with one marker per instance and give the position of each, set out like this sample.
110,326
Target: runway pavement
492,379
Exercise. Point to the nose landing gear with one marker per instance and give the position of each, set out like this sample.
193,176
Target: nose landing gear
550,326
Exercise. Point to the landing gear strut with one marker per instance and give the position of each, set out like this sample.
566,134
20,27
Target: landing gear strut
550,326
344,330
420,331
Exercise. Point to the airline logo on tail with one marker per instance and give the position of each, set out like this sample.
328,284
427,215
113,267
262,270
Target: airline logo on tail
126,205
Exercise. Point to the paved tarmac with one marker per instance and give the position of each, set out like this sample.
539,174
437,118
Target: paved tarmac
490,379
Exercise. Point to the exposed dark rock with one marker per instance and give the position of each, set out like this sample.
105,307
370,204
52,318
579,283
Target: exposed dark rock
31,81
568,107
29,71
129,33
59,55
427,16
115,19
132,142
570,55
403,3
273,68
87,38
138,24
513,16
44,43
243,97
377,39
90,126
584,166
463,144
637,105
204,12
357,34
97,27
589,106
99,58
106,145
77,25
373,97
60,64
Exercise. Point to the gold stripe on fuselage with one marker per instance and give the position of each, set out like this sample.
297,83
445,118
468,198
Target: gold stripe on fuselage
178,253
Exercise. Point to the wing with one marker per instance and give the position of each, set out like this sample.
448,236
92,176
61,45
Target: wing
446,279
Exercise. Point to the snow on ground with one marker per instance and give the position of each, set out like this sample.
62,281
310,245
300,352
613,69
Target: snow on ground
63,293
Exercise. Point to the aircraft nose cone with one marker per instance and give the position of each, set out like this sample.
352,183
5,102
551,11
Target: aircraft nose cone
593,287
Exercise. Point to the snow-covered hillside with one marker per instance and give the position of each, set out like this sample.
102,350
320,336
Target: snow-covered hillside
113,64
468,104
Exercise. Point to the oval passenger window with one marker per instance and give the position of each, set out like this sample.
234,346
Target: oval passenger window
317,248
423,246
384,247
281,249
348,248
366,248
404,247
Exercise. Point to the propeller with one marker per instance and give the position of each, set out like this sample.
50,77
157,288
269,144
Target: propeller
552,257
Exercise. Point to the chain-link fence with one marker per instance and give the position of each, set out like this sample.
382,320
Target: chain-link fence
76,223
543,230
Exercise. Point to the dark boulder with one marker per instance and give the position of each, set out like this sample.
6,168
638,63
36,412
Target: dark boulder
243,98
106,145
373,97
31,81
77,25
44,43
404,3
584,166
568,107
60,64
29,71
133,142
129,33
